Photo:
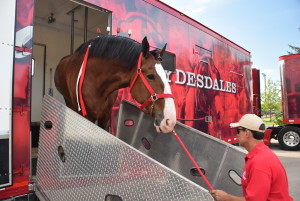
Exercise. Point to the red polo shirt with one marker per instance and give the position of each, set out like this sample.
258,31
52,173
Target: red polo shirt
264,177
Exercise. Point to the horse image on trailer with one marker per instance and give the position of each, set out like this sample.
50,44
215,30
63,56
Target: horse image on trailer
210,76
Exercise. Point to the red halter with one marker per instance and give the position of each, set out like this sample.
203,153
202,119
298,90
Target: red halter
153,97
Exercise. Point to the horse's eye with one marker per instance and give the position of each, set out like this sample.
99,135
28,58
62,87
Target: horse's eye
151,77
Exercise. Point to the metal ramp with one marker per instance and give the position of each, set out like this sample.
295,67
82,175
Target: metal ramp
77,160
223,163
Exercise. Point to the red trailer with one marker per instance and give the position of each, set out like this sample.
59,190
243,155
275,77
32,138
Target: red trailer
256,92
289,134
210,76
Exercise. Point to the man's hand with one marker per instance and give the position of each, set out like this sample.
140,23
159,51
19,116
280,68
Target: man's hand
220,195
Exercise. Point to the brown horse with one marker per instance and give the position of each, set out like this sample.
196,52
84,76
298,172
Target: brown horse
114,62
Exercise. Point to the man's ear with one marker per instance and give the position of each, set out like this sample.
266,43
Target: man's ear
248,133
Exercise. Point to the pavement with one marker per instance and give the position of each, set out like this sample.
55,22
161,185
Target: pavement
291,162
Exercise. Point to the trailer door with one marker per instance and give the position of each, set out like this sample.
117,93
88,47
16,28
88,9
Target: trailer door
7,38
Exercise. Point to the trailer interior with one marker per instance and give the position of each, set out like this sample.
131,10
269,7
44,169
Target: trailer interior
60,26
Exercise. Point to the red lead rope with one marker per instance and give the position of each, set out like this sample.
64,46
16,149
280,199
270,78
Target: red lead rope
193,160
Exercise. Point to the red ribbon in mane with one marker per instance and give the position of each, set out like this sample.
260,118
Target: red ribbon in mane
83,68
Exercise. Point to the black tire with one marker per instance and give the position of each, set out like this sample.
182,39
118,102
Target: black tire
289,138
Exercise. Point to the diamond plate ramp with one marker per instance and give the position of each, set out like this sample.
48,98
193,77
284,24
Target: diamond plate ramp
223,163
79,161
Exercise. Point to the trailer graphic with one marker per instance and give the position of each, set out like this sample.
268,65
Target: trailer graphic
210,76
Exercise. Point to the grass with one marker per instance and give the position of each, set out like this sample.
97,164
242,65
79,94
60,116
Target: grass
267,121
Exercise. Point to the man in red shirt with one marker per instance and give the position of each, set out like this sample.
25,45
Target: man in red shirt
264,178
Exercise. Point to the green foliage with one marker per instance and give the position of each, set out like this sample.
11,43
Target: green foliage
271,102
275,120
278,119
294,48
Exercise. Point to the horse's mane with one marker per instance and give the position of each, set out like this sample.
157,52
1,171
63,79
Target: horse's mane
123,49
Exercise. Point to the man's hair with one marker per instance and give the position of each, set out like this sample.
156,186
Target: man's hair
258,135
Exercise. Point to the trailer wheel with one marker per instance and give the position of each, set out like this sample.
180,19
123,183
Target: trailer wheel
289,138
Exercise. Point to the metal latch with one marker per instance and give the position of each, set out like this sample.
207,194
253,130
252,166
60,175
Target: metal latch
208,118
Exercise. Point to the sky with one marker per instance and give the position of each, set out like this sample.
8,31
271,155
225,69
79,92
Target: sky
263,27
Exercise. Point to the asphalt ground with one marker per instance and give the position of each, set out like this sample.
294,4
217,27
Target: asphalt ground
291,162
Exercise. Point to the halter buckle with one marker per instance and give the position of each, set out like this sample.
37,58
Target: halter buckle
154,97
139,70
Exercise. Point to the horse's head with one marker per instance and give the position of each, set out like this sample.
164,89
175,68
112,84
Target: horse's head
150,88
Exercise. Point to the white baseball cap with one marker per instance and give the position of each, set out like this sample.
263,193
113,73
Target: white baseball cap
251,122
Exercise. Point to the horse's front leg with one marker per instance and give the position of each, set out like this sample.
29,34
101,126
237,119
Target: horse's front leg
104,120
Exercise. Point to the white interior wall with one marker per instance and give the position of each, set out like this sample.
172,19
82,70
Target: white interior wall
56,36
58,45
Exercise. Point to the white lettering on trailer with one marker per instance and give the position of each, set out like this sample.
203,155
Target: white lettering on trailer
200,81
208,82
191,79
178,72
168,73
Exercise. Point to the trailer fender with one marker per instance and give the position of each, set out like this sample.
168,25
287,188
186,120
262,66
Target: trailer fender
267,137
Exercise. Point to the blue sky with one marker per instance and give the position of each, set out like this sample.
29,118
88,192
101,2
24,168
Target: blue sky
263,27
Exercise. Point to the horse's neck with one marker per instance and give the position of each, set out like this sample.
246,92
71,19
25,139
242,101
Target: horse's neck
108,75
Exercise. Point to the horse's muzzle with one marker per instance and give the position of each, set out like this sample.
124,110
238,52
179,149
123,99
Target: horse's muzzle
164,124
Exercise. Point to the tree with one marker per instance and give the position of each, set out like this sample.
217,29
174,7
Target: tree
294,48
271,100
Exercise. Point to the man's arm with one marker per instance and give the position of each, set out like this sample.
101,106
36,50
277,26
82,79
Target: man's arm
220,195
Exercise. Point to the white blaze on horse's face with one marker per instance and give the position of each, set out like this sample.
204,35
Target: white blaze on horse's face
169,112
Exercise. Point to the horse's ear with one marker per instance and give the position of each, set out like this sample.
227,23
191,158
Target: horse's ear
162,51
145,47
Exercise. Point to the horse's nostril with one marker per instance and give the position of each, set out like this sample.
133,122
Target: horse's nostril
167,122
158,119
